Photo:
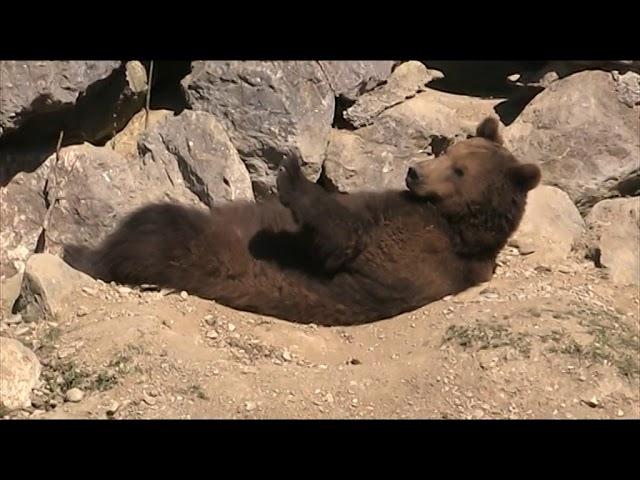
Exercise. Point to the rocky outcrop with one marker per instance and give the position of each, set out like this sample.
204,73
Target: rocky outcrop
583,133
19,374
269,110
613,238
197,143
550,228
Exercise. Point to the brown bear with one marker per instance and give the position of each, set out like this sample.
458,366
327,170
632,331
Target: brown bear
311,256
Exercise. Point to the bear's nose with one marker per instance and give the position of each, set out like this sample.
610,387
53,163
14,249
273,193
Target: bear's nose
412,174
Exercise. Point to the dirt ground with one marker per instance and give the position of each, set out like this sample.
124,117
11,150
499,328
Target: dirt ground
545,342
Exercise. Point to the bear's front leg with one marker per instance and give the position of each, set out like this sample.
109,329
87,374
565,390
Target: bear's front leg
338,234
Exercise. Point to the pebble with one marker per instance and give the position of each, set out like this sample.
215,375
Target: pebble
112,409
13,319
231,327
620,413
209,320
250,406
212,334
184,295
74,395
21,331
124,290
82,311
286,355
592,402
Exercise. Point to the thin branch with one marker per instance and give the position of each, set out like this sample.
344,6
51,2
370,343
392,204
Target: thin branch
54,188
146,116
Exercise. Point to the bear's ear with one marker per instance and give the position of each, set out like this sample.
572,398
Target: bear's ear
489,129
525,176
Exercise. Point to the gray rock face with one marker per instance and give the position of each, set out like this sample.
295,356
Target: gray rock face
407,80
378,155
210,165
350,79
582,133
269,109
551,226
19,374
614,232
96,187
32,88
48,285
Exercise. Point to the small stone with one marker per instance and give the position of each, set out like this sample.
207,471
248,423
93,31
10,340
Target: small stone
212,334
286,355
328,398
620,413
209,319
231,327
113,409
21,331
82,312
124,290
90,291
250,406
412,325
592,402
184,295
13,319
355,361
74,395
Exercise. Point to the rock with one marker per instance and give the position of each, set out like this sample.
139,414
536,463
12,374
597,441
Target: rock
36,87
197,143
19,374
377,156
350,79
74,395
96,188
613,236
406,81
582,134
628,88
14,319
250,406
125,142
212,334
269,110
550,226
89,101
9,291
48,288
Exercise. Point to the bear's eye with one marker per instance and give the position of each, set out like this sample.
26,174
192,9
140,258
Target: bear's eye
458,171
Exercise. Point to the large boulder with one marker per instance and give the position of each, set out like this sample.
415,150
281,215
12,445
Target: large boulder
19,374
269,110
613,238
407,80
197,143
550,227
88,101
34,88
95,188
350,79
48,287
583,133
377,155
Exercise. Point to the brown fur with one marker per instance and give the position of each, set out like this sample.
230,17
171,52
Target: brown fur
331,259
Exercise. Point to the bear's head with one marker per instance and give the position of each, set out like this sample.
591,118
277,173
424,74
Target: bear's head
478,185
